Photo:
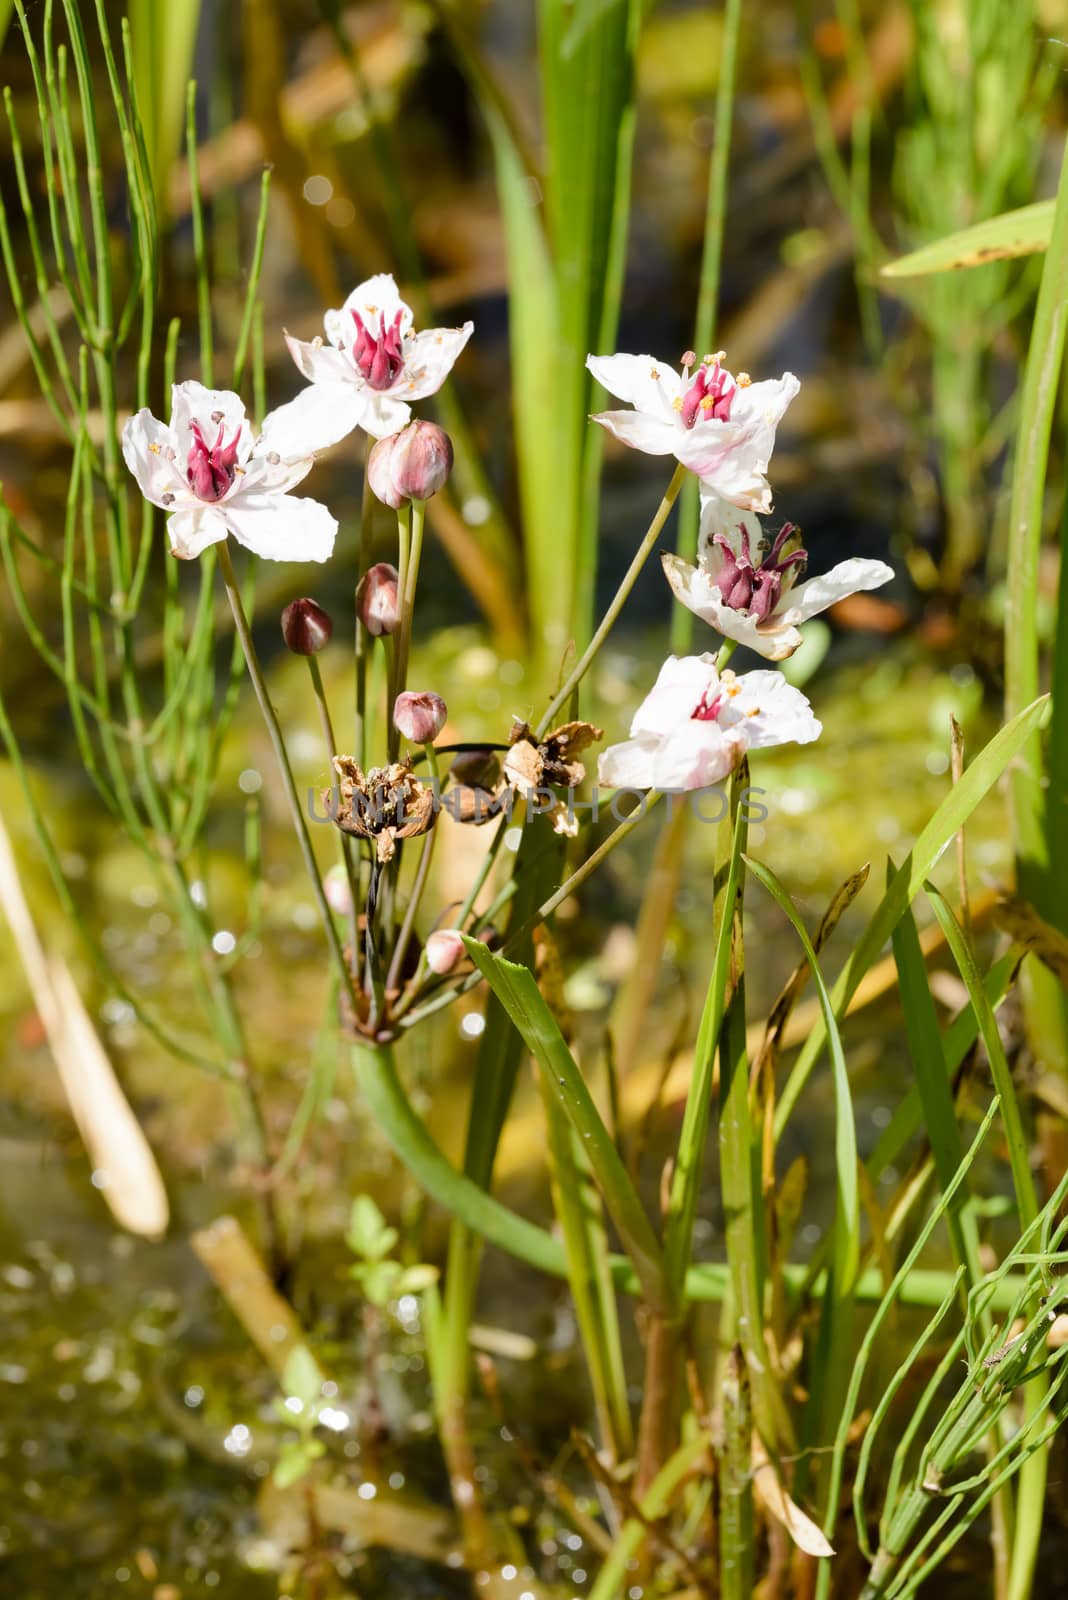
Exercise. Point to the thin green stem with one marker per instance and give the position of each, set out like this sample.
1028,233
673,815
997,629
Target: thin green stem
582,666
259,684
348,855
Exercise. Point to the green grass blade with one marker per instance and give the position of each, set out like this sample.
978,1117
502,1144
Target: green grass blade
1019,1157
933,1084
685,1180
1014,233
518,992
847,1220
977,781
578,1209
163,38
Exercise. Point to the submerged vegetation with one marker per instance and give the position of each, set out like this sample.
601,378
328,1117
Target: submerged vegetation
583,1052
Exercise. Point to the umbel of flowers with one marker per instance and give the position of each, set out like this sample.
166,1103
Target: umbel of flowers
216,477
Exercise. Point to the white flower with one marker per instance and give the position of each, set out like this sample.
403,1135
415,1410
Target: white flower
721,427
216,479
695,726
747,590
374,363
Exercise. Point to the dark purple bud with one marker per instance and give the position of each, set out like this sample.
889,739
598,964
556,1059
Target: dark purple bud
306,627
376,599
420,716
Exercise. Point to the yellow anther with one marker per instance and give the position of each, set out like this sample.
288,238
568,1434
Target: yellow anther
676,404
654,374
154,448
743,380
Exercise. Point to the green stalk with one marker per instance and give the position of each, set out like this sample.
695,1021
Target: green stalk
736,1481
1047,1019
682,618
259,684
604,628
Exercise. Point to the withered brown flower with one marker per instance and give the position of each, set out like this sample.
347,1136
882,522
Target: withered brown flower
534,763
385,804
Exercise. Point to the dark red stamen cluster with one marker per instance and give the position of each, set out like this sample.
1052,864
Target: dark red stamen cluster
709,395
707,710
379,357
211,468
755,589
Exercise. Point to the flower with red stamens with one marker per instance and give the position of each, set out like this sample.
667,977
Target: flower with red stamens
372,365
215,478
696,725
759,602
720,426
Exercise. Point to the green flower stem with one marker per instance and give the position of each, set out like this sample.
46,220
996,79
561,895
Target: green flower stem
396,676
546,909
582,666
348,857
362,638
422,873
255,672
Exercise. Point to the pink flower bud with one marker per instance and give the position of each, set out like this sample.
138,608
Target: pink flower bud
420,716
379,475
443,950
411,465
306,627
376,599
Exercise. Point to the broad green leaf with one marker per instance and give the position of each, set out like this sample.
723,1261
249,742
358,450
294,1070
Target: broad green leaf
518,992
1014,233
977,781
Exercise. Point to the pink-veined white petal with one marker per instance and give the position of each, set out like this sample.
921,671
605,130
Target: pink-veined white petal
643,382
429,357
384,415
808,599
769,711
282,527
320,416
319,362
374,298
191,531
148,451
651,435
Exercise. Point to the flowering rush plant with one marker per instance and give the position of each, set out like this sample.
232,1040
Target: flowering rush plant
398,957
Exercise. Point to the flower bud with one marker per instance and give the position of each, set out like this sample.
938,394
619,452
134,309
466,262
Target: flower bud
306,627
376,599
444,949
379,475
476,769
411,465
419,716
